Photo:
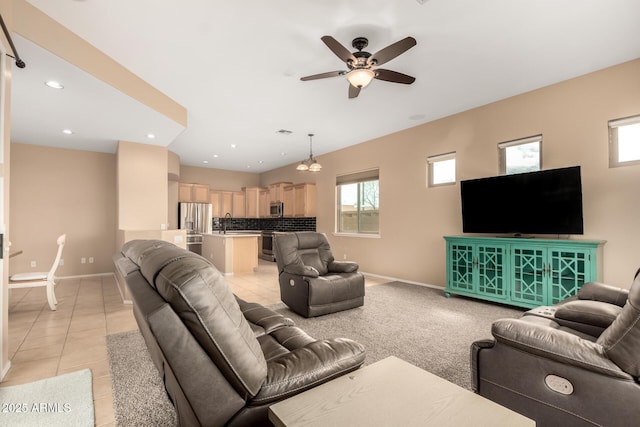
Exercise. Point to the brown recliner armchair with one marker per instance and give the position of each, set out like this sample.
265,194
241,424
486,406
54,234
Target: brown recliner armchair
573,364
312,282
223,360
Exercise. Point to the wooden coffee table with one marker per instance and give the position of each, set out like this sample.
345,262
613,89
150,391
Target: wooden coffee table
392,392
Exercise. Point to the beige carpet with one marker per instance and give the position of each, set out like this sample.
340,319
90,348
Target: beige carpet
414,323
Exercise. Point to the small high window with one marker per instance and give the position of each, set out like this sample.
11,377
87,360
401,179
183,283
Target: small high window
624,142
521,155
441,170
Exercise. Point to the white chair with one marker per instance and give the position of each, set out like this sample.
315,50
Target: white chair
31,280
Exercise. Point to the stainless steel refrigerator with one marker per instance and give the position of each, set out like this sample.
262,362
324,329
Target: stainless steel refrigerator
196,219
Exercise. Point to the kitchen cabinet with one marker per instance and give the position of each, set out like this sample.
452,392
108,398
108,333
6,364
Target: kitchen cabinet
252,201
276,191
215,197
238,208
300,200
193,193
522,272
263,203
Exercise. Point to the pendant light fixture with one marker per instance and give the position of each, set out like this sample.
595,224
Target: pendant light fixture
310,164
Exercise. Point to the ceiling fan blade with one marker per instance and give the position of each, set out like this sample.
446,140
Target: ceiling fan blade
340,51
323,75
391,51
394,76
353,91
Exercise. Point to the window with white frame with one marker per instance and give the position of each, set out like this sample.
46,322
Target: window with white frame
521,155
624,142
441,169
358,203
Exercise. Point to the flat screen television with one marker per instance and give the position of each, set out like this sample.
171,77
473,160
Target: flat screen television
544,202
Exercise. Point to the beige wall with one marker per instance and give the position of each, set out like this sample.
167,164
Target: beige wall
219,179
572,117
142,186
55,191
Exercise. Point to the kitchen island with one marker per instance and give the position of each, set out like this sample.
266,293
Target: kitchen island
232,252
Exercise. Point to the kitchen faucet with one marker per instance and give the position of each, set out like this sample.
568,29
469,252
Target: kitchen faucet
224,222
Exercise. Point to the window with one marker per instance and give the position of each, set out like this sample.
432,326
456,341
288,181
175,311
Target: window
441,169
624,142
521,155
358,202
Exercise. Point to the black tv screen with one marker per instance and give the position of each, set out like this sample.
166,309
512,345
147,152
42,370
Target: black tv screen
544,202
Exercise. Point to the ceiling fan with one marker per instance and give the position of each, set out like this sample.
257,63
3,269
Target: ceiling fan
362,66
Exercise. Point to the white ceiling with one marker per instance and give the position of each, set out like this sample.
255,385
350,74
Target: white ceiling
236,67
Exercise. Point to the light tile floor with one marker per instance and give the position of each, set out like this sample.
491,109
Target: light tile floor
45,343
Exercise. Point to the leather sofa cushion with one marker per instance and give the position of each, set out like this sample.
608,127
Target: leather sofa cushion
621,340
594,313
199,294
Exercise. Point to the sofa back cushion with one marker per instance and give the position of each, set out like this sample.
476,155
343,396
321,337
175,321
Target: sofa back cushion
621,340
305,248
201,297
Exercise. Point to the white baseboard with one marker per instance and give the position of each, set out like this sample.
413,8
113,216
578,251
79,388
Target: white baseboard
5,370
398,279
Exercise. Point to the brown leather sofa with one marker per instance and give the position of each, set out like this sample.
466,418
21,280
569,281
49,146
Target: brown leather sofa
223,360
573,364
312,282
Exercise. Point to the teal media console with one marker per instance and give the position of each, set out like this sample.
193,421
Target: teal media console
520,271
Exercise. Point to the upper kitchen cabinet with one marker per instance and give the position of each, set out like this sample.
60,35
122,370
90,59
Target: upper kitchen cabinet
198,193
238,209
216,202
263,203
276,191
254,197
300,200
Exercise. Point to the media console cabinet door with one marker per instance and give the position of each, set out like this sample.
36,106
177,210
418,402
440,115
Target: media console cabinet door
392,392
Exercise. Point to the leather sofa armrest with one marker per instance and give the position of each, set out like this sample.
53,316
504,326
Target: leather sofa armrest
307,367
555,344
588,312
342,267
301,270
604,293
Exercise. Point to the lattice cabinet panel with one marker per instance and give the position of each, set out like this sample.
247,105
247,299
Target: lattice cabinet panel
490,270
523,272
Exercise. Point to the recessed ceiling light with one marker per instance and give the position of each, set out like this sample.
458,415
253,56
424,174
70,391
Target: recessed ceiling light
233,145
206,162
67,131
54,84
151,136
215,156
283,154
261,161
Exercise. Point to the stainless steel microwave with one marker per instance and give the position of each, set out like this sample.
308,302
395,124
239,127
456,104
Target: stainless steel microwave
276,209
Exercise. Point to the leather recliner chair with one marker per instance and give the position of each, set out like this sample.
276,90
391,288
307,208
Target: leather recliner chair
312,282
223,360
574,364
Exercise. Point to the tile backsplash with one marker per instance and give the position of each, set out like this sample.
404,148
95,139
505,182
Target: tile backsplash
268,224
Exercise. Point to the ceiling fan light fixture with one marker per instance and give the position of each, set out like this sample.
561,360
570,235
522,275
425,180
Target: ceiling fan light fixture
360,77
